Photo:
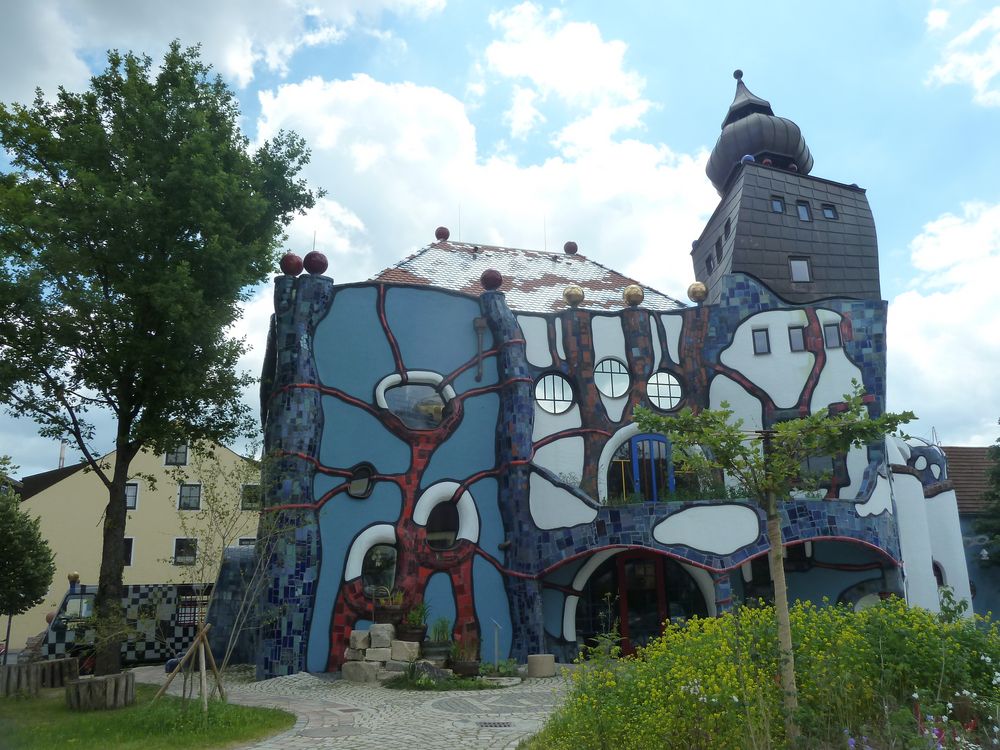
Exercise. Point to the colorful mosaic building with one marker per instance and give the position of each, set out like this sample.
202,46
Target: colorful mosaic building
459,429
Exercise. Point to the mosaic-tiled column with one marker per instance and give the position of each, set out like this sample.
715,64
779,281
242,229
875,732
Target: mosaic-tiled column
723,593
514,449
289,534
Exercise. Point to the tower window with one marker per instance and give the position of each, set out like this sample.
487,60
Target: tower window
761,341
710,264
805,214
777,204
800,270
830,211
553,393
718,249
729,227
831,335
797,338
663,391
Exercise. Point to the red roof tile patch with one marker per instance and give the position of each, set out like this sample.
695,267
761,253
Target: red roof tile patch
967,469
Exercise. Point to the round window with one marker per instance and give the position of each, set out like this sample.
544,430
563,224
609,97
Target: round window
611,377
663,391
554,393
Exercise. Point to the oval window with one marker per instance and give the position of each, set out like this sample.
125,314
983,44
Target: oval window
360,484
611,377
442,526
378,570
663,391
554,393
419,406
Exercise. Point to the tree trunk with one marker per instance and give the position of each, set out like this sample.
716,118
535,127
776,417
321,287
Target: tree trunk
786,657
108,603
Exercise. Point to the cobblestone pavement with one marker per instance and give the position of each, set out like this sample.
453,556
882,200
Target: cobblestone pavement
333,713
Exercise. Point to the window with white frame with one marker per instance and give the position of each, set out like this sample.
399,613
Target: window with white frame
176,457
131,495
185,551
189,497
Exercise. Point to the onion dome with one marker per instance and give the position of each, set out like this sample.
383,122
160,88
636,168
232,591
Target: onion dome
752,129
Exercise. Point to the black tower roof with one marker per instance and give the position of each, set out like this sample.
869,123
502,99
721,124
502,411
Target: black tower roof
751,128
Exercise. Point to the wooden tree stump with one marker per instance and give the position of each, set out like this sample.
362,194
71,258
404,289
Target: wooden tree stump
20,678
98,693
59,672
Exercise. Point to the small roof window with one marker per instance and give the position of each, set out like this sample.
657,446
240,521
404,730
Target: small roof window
800,270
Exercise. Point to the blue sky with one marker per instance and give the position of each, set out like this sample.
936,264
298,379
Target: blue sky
529,124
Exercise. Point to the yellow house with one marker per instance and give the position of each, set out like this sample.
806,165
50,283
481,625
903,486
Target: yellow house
185,507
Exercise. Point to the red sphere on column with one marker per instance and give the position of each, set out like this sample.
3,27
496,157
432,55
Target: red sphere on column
291,264
491,279
315,262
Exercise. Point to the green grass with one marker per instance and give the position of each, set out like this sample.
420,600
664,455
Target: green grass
45,722
405,682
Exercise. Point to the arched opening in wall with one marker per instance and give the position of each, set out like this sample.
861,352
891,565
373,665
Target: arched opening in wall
938,573
378,570
418,405
442,526
639,590
642,470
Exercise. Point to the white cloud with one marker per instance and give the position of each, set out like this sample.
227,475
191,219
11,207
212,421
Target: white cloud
973,58
936,19
47,42
523,116
944,352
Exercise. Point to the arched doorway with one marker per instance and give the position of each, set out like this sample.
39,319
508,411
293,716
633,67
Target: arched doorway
638,590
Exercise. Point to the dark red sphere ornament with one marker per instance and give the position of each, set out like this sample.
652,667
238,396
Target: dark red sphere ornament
291,264
570,248
315,262
441,234
491,279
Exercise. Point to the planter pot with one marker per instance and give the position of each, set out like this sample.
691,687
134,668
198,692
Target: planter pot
389,613
436,650
414,633
465,668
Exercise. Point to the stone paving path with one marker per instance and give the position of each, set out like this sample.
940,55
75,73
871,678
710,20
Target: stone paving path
336,714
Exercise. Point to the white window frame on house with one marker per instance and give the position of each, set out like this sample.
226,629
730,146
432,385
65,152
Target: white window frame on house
797,338
260,497
135,496
180,494
194,557
176,457
130,547
835,341
766,349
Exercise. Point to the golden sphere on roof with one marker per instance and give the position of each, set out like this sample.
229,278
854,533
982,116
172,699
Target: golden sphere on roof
573,295
73,577
697,292
633,295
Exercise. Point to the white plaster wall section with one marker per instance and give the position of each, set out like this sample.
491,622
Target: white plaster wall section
607,452
705,585
673,325
781,374
896,450
579,581
442,492
838,372
424,377
549,424
536,339
654,336
744,406
609,341
947,546
559,340
553,507
382,533
879,502
564,457
857,463
915,542
719,529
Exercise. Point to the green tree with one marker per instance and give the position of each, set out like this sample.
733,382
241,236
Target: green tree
26,564
989,522
134,221
767,466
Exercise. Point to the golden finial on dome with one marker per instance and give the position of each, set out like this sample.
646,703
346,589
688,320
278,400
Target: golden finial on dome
573,295
73,577
697,292
633,295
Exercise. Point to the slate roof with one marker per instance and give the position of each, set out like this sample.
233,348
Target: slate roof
967,467
35,483
533,281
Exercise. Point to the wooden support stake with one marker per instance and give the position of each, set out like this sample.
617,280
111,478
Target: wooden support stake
181,663
201,672
215,671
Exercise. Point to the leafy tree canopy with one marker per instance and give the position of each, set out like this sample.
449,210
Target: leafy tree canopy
26,564
989,522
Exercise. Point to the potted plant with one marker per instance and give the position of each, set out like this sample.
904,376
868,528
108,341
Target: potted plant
414,624
439,646
465,656
388,605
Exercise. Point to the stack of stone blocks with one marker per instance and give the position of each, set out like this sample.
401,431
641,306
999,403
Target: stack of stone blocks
376,652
